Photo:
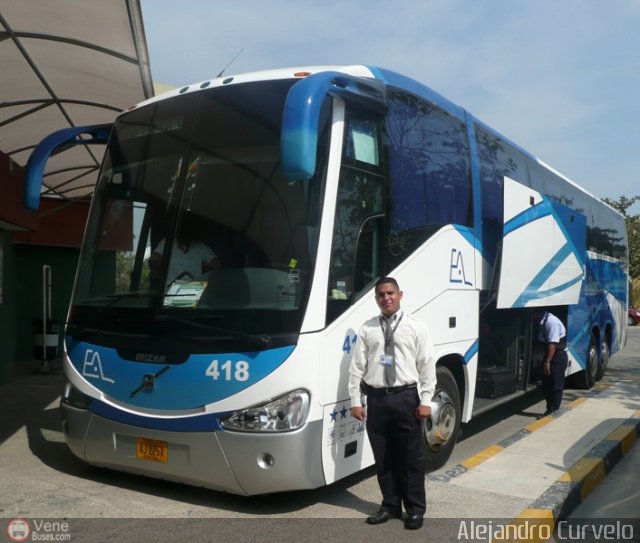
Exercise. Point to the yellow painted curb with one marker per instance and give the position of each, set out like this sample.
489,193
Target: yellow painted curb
540,423
588,472
626,435
532,525
602,386
482,456
575,403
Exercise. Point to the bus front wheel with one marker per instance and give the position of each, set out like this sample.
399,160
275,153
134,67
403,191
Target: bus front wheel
442,427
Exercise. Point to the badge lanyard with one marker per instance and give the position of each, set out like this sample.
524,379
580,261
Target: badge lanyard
388,334
387,360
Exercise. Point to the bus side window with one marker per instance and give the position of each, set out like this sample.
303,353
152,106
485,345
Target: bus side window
497,160
429,173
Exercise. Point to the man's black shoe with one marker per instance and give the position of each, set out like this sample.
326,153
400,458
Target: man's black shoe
545,414
381,516
413,522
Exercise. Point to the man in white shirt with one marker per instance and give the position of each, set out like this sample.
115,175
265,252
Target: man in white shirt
393,360
189,260
555,360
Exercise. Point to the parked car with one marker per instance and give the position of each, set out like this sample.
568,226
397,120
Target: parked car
634,316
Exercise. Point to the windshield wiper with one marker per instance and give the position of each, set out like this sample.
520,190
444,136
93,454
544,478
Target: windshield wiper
113,298
259,340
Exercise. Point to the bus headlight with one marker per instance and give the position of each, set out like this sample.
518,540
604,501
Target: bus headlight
73,397
289,412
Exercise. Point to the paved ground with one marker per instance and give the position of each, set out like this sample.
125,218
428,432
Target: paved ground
581,462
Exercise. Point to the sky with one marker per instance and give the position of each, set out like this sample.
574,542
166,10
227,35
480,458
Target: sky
561,78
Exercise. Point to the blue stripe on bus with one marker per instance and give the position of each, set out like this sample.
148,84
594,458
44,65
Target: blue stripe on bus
539,211
476,184
198,423
203,379
535,291
612,275
467,233
407,84
471,352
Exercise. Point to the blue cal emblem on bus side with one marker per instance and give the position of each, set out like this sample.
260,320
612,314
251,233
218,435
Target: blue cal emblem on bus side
456,270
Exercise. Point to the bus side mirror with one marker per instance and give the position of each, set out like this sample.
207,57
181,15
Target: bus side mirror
301,116
56,142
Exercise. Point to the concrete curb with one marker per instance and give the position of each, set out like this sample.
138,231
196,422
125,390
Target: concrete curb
577,483
538,521
493,450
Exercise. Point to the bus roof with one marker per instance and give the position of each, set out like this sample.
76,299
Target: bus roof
386,76
263,75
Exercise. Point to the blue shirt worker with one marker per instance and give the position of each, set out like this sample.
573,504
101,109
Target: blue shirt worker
393,361
555,360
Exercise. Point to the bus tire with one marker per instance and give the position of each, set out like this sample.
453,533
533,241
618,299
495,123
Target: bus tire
587,377
441,429
604,360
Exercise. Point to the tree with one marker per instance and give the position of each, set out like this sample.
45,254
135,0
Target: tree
632,222
125,262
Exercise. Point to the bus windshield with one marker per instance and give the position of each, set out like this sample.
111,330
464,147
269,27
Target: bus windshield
193,219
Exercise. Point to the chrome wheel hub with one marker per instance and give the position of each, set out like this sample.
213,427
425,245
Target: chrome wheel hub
439,427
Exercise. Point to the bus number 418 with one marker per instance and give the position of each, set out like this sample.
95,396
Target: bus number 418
228,371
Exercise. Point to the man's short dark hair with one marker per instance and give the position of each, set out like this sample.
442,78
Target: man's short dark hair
385,280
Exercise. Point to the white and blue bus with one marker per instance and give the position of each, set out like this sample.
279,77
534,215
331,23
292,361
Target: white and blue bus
307,185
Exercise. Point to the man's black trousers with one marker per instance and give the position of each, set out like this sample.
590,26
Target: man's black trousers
396,439
553,384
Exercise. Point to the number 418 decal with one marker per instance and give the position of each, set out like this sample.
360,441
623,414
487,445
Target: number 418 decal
229,371
349,341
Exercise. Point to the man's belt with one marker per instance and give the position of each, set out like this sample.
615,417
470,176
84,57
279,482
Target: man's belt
389,390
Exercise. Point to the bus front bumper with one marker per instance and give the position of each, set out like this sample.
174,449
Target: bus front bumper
235,462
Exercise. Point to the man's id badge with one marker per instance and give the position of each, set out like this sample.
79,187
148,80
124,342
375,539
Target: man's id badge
386,360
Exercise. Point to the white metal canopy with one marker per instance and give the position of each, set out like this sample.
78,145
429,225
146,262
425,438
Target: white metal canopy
68,63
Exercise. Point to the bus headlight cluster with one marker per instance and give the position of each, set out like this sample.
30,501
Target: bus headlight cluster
286,413
73,397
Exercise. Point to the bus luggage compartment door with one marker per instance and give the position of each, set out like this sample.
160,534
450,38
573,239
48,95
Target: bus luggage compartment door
550,271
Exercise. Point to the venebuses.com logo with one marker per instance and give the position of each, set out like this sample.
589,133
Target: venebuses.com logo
19,529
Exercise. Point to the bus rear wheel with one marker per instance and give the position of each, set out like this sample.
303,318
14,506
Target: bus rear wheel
587,377
442,427
604,360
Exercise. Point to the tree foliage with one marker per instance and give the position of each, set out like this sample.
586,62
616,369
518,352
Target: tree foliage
632,222
125,262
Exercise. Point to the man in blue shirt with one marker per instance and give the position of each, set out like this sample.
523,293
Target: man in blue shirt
555,360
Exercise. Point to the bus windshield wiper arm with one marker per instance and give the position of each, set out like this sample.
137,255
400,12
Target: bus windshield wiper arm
260,340
114,298
110,299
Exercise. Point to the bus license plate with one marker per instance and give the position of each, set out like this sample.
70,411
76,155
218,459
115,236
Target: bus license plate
152,449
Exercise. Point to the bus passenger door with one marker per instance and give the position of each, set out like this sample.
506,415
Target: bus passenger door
367,265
